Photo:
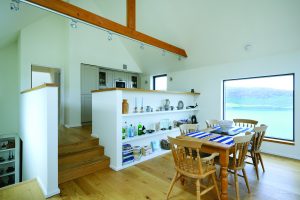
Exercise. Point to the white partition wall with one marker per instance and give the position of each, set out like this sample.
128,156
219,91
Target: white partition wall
39,133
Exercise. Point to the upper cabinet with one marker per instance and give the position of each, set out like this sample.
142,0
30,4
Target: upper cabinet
133,80
105,78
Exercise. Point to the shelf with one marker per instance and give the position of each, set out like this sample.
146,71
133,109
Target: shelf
149,135
6,162
7,174
158,112
3,150
144,158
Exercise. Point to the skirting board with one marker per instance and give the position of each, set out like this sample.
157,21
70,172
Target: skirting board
72,125
47,194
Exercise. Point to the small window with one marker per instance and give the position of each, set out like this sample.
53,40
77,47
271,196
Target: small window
268,99
160,82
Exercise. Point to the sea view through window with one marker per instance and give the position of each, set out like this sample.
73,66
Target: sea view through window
268,99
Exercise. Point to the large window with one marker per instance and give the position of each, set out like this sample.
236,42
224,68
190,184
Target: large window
160,82
268,99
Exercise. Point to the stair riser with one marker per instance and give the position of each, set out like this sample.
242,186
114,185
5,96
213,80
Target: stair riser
74,173
77,147
80,156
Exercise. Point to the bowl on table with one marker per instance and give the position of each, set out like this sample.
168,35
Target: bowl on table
225,125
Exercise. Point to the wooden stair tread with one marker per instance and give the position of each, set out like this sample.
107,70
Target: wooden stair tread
82,163
78,146
84,150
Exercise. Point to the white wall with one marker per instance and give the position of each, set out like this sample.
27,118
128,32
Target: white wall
44,43
9,90
39,133
208,81
51,42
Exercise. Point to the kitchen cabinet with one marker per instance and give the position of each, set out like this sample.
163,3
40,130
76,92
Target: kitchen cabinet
105,78
89,79
86,108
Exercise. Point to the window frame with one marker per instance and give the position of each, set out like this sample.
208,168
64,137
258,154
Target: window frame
266,76
158,76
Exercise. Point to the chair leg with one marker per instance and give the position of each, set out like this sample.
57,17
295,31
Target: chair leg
216,185
182,180
172,184
256,165
236,181
262,164
198,189
246,180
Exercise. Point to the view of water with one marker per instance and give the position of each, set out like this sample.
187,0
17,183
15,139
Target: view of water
279,121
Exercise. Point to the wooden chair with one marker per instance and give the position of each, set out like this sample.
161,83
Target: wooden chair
187,128
237,161
187,165
212,123
255,147
245,122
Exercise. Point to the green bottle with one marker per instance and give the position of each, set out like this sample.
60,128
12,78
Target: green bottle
124,131
140,129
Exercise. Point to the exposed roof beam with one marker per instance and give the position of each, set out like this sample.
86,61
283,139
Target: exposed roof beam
131,19
75,12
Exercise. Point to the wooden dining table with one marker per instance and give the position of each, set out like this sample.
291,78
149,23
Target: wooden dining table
224,151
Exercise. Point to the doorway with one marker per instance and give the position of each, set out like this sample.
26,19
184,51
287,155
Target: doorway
41,75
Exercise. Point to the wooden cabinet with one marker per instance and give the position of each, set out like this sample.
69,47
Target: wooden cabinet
9,160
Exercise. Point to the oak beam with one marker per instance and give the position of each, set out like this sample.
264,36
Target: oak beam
96,20
131,16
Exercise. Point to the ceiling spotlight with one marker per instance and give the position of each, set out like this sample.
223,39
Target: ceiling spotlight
109,37
248,47
14,5
142,46
163,53
73,23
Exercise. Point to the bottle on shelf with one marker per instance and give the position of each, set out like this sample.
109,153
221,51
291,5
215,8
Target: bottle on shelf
124,131
140,129
130,131
134,131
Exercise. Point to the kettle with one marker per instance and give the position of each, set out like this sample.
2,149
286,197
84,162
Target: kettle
194,119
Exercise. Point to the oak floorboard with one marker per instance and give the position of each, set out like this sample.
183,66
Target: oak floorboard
150,181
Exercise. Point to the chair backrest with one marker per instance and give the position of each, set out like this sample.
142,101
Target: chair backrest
187,128
186,154
258,137
245,122
212,123
241,149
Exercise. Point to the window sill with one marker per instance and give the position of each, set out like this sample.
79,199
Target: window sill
279,141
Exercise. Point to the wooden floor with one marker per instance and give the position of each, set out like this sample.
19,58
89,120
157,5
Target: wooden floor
151,179
25,190
73,135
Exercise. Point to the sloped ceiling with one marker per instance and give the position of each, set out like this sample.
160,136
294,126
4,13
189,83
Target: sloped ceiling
212,32
12,22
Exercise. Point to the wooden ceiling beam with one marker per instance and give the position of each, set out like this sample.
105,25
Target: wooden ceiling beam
131,16
96,20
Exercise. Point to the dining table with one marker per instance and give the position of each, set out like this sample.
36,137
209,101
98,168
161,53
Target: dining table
215,141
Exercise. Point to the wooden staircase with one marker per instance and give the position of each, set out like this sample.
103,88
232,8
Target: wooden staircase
80,158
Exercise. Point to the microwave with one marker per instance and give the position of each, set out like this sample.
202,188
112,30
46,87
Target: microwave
120,84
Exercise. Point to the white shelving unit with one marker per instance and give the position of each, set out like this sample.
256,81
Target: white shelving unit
108,119
9,151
